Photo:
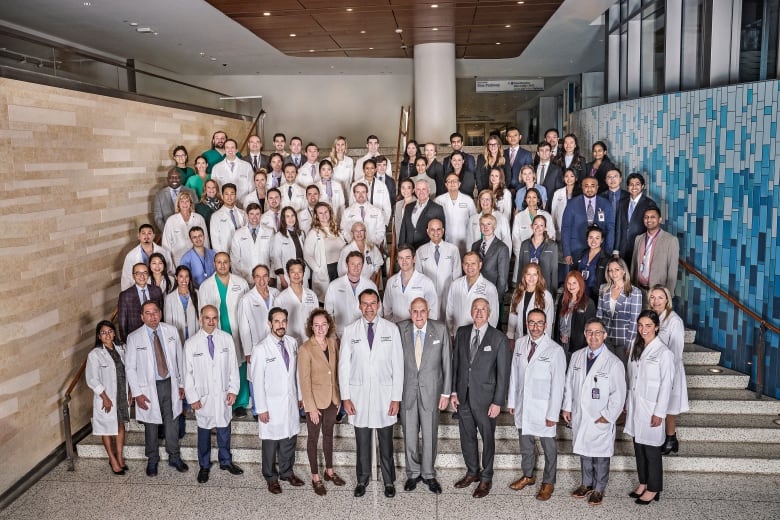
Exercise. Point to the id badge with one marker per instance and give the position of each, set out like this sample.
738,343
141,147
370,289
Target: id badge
585,274
595,393
601,215
368,260
534,260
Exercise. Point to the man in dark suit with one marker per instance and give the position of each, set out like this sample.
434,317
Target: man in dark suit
494,254
427,384
615,194
514,158
383,176
414,225
480,380
456,142
548,174
254,157
630,218
581,212
132,299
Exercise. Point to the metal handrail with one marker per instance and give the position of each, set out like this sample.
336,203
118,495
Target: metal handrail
252,130
70,451
764,324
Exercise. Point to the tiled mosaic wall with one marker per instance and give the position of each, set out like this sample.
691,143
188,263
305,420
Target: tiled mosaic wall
711,160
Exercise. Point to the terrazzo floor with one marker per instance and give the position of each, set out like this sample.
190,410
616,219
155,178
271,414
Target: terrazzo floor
93,492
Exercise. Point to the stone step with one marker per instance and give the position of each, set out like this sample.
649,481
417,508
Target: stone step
730,401
694,354
704,376
738,457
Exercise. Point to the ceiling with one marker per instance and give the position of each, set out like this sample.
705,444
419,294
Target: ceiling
391,28
193,38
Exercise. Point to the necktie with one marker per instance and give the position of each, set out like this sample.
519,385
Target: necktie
541,174
631,208
483,249
297,161
591,213
254,162
313,172
146,296
436,255
370,335
232,165
277,220
511,156
254,234
233,218
285,355
289,192
531,352
211,345
329,190
363,213
418,348
474,346
371,195
591,359
159,355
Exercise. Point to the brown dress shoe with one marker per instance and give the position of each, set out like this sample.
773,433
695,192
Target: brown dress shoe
293,480
520,483
274,487
595,498
483,489
545,492
582,491
338,481
466,481
319,488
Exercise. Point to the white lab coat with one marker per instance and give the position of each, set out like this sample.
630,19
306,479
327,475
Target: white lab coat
176,235
297,201
536,387
504,206
359,175
242,175
222,228
374,222
211,380
380,199
649,387
502,229
282,250
342,172
276,388
141,376
101,376
305,216
521,231
308,174
672,334
298,309
316,259
608,377
371,377
342,302
457,214
372,259
517,316
395,304
269,219
441,274
559,201
246,253
459,300
253,317
337,201
134,257
208,294
176,315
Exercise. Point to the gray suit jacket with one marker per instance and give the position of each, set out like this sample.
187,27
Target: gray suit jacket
164,206
486,380
434,377
664,266
495,265
263,161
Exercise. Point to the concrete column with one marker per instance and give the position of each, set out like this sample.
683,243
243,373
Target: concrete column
434,92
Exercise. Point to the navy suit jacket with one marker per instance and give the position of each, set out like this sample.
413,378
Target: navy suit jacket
512,172
575,225
553,180
625,231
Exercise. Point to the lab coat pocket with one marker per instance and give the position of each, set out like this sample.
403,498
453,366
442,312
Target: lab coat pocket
540,386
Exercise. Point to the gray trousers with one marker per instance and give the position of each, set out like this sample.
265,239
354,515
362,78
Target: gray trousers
528,454
363,454
285,449
595,472
471,421
415,420
151,441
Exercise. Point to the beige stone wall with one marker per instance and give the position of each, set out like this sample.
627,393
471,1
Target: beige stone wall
77,172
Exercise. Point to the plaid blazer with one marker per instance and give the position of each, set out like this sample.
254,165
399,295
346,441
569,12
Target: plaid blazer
621,324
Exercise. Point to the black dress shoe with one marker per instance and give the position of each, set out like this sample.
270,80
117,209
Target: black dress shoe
151,469
239,412
411,483
233,469
360,490
203,475
389,491
179,464
434,486
641,502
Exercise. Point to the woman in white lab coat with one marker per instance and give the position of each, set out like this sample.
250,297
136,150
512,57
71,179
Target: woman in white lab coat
286,245
343,165
110,406
672,333
176,234
181,305
327,183
650,375
322,248
531,293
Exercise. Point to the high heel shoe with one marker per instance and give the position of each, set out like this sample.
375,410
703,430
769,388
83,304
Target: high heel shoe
671,445
634,494
641,502
120,472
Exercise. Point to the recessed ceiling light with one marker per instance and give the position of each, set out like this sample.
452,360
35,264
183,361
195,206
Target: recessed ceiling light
266,13
87,4
202,53
434,6
399,30
371,48
520,3
362,32
156,33
311,50
498,43
213,59
507,26
292,35
349,9
435,29
133,24
332,67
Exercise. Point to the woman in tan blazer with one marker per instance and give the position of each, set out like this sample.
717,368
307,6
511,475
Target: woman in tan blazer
318,360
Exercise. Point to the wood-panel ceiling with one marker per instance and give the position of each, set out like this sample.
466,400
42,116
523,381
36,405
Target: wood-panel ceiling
370,28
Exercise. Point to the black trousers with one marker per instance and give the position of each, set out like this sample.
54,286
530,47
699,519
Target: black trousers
363,455
649,466
285,450
471,421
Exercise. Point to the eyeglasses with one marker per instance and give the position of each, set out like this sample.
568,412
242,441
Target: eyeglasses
594,332
106,333
140,273
536,323
180,155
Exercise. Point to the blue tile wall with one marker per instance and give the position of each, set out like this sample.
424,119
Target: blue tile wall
711,158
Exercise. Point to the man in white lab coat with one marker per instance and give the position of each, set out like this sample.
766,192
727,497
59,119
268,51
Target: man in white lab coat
439,261
465,290
371,375
275,379
226,220
535,397
406,285
153,363
593,399
211,383
251,244
341,300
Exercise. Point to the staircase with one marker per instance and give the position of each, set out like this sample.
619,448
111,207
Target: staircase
726,430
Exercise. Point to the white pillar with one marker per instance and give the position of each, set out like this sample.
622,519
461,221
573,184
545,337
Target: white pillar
434,92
